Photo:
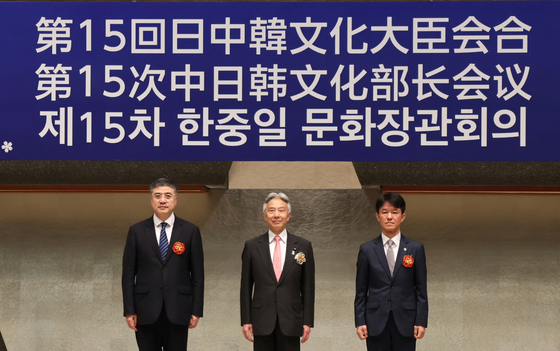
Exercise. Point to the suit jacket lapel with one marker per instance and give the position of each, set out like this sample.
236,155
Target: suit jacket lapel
380,252
400,254
151,236
291,243
263,247
175,233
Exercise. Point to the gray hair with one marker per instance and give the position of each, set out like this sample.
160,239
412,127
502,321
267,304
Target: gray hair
280,196
163,182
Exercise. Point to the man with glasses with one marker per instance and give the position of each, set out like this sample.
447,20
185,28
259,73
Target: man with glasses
163,275
277,283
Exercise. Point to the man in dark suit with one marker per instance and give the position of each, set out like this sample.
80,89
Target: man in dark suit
163,275
277,283
391,305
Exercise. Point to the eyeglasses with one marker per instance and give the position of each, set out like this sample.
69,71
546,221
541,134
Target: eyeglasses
159,196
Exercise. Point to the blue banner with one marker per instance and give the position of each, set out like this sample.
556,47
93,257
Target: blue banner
398,81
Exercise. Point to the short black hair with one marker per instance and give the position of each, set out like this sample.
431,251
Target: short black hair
163,182
393,198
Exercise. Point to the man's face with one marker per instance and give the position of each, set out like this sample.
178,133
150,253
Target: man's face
390,219
276,215
164,201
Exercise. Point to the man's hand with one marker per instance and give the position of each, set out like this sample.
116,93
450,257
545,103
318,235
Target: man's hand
306,332
419,332
194,321
362,332
131,320
248,331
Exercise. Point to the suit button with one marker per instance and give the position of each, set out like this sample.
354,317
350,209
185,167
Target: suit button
161,286
389,301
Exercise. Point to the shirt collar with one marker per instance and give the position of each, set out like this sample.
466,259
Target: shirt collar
283,236
396,239
170,221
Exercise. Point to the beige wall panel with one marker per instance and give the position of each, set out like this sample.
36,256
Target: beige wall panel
293,175
99,207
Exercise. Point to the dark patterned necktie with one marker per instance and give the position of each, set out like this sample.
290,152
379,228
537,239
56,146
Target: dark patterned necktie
163,243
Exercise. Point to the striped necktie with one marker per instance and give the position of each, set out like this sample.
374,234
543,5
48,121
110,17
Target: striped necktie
163,243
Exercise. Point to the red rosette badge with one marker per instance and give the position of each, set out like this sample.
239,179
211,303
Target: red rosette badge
408,261
179,248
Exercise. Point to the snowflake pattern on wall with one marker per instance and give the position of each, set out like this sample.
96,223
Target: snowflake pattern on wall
7,147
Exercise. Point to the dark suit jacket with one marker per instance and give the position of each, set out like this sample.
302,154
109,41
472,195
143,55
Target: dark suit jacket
263,299
377,293
148,281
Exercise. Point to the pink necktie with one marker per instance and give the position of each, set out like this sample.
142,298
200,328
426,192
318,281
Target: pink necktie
277,258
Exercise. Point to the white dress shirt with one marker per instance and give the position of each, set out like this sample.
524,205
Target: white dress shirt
157,224
282,242
396,240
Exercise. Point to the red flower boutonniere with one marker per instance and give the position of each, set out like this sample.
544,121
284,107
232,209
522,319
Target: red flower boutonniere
408,261
179,248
